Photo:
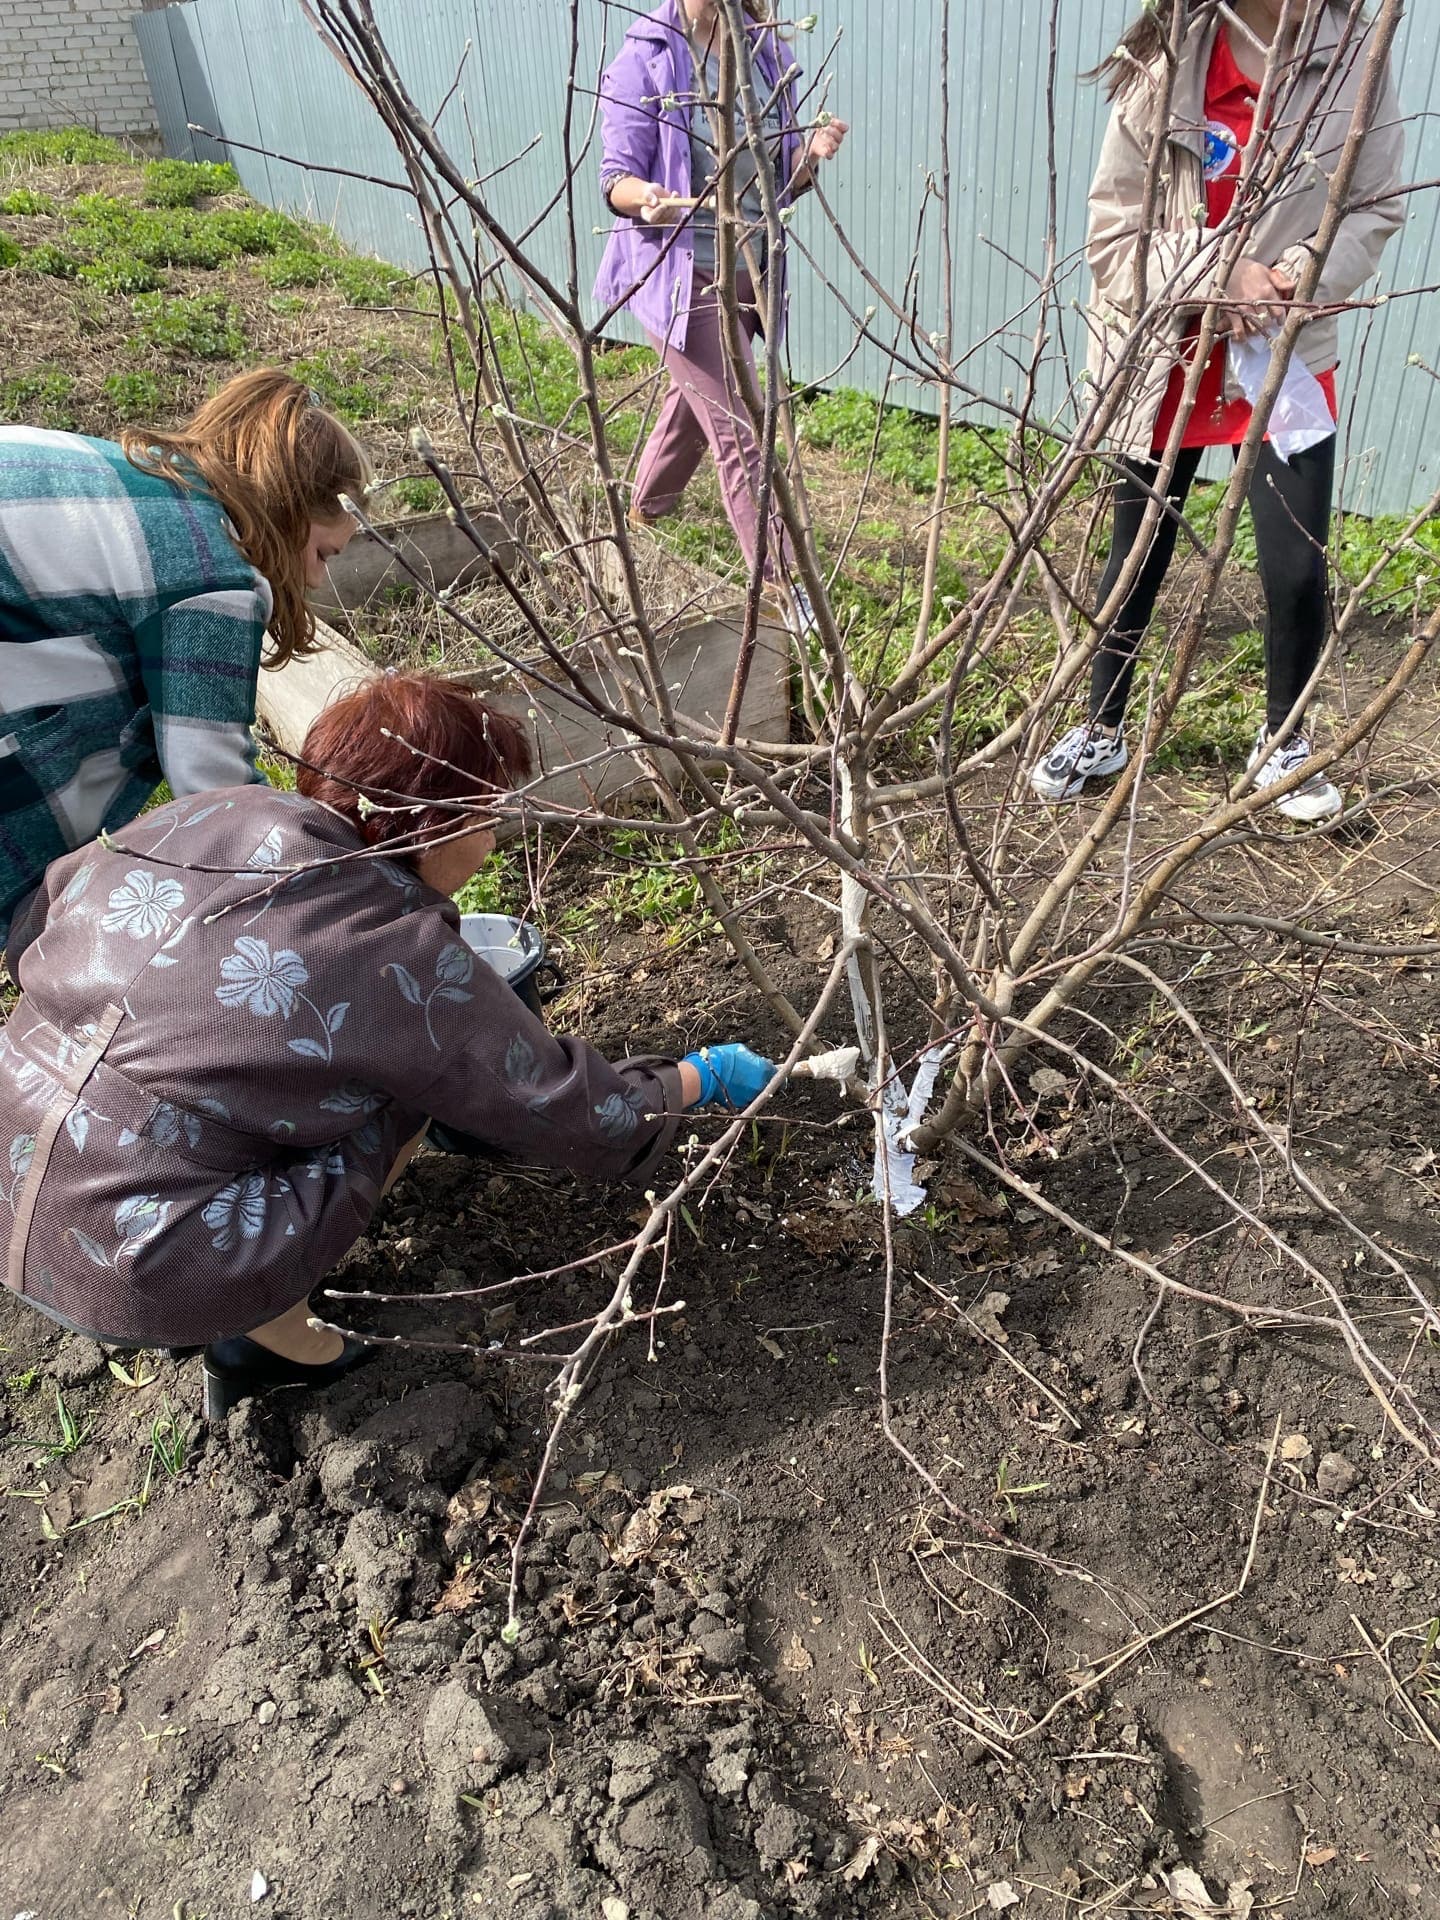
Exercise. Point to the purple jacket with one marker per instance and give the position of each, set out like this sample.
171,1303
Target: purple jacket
646,100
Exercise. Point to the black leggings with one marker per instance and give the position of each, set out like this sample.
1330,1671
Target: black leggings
1291,509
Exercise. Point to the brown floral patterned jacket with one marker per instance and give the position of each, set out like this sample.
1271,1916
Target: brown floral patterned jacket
232,1017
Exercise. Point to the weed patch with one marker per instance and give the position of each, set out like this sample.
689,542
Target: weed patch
50,258
59,147
205,328
345,384
296,267
42,398
906,446
137,396
367,283
180,183
419,494
489,890
22,203
1216,721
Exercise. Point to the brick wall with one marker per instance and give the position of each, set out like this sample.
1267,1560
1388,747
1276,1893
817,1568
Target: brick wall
73,63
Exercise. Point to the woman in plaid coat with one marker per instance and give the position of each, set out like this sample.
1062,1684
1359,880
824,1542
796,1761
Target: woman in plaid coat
137,582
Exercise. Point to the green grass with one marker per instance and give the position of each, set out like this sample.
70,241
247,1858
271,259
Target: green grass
121,274
296,267
418,494
10,254
137,396
59,147
180,183
492,888
204,328
21,202
346,383
537,368
363,282
39,399
100,226
1412,578
907,449
50,257
1216,720
625,363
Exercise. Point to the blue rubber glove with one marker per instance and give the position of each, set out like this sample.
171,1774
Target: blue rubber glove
730,1076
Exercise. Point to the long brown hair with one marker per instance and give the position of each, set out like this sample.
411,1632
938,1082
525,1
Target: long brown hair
275,460
1144,41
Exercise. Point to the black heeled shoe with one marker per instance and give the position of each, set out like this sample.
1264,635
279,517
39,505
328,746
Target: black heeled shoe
235,1368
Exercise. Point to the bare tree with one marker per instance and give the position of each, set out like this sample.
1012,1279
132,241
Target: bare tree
976,934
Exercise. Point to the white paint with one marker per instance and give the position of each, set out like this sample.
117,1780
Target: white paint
900,1115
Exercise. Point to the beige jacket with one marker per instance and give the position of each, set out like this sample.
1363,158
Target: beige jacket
1182,255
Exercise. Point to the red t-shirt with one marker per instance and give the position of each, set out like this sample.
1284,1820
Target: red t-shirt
1230,99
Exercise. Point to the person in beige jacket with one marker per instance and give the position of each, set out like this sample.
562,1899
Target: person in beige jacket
1163,274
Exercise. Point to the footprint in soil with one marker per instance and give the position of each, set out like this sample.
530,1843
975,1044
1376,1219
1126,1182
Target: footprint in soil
1242,1823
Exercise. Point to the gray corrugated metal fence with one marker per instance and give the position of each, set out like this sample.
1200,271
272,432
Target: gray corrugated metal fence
254,71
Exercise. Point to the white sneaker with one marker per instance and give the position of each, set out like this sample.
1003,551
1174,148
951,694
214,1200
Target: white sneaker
1086,752
1314,799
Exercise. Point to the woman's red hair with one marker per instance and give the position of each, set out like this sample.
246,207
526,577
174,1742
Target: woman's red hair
410,737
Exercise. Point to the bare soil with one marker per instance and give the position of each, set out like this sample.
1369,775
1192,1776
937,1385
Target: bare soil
762,1671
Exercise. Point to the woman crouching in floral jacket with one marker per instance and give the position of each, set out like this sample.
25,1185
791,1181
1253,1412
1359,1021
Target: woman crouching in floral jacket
239,1015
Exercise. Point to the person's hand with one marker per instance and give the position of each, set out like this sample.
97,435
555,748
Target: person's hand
1250,295
659,208
730,1076
1285,282
827,141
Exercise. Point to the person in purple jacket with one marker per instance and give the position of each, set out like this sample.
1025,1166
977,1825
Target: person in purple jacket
658,172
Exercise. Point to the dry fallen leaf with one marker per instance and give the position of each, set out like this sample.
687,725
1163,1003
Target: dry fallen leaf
1242,1901
472,1502
866,1855
1000,1896
462,1591
987,1317
1190,1893
772,1347
1319,1856
1048,1084
1294,1447
797,1657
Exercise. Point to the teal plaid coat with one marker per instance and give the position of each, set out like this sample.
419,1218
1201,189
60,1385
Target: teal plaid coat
131,627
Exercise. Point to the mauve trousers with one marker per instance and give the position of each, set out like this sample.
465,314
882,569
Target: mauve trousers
703,408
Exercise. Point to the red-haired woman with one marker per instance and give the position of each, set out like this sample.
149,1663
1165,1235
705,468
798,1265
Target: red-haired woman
239,1015
137,584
